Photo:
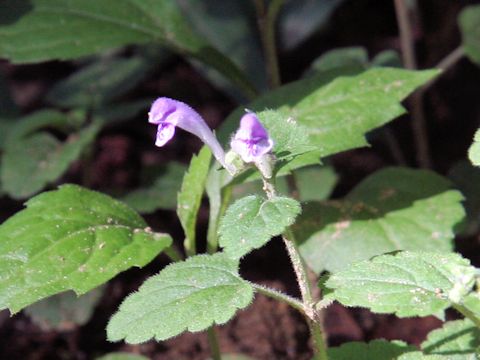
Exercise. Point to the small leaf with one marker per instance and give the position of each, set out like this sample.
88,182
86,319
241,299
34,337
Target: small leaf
456,339
393,209
64,311
161,194
252,221
30,163
469,21
474,150
190,196
407,284
374,350
190,295
99,82
70,238
341,57
122,356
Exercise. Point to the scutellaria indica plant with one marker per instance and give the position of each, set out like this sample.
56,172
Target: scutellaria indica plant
387,245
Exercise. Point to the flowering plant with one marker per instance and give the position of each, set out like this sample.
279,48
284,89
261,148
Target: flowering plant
387,245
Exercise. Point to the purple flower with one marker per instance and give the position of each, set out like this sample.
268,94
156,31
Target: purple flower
169,114
251,141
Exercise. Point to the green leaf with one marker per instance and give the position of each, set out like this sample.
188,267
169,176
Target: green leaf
456,339
474,150
161,194
240,42
190,295
41,30
374,350
466,178
315,183
32,162
407,284
99,82
190,196
252,221
336,112
122,356
64,311
392,209
341,57
469,21
70,238
418,355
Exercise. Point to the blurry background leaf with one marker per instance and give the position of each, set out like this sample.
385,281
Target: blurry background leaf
315,182
70,239
32,162
8,108
99,82
299,19
231,27
466,178
41,30
65,311
159,194
392,209
469,21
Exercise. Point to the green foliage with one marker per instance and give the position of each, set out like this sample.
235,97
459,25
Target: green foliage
336,112
99,82
315,183
64,311
161,193
190,196
393,209
122,356
407,284
40,30
31,160
240,42
252,221
456,339
469,21
374,350
474,150
70,238
190,295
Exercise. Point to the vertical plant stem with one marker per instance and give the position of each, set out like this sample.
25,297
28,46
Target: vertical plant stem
312,316
407,44
266,23
173,253
214,219
213,343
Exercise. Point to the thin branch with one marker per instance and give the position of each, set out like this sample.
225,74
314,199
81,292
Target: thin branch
266,23
278,295
407,44
213,343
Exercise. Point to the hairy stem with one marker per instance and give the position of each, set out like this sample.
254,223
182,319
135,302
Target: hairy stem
213,343
266,23
278,295
407,45
311,314
214,220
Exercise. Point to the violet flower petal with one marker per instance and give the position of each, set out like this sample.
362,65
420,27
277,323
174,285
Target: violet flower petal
251,141
169,113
